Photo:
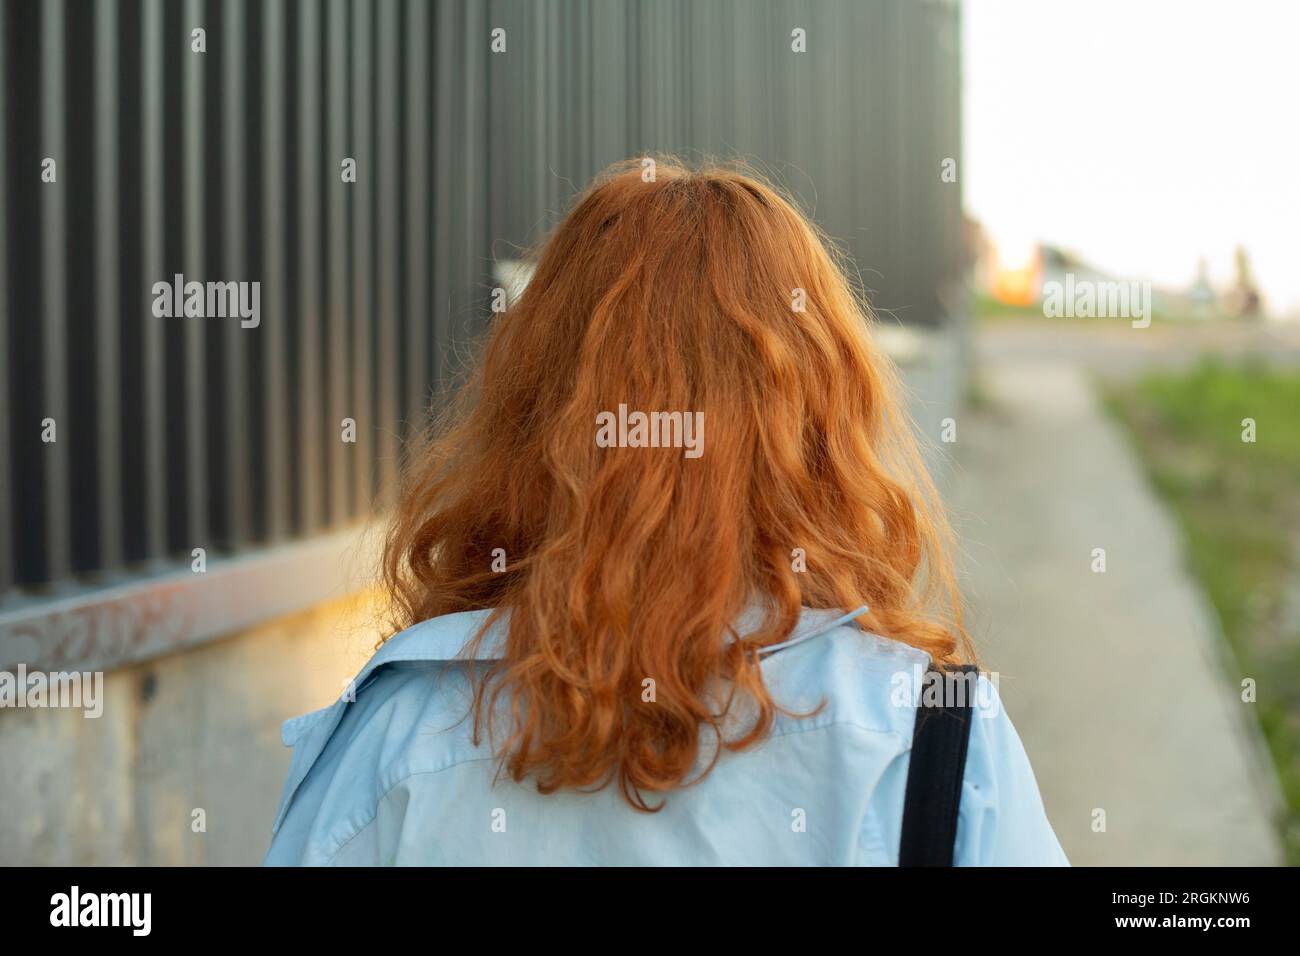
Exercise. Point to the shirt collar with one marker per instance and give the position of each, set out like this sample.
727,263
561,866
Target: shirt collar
446,638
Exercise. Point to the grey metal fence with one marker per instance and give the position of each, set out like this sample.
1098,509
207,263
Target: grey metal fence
227,165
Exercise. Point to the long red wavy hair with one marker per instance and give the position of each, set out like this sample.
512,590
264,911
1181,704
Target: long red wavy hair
677,292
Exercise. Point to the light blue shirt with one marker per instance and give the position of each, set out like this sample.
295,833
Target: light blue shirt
393,777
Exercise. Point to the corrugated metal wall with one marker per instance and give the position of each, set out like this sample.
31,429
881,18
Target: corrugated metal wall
176,433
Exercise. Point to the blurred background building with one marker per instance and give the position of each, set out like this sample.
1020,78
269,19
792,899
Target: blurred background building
179,506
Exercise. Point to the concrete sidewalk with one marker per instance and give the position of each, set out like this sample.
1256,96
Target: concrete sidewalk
1119,682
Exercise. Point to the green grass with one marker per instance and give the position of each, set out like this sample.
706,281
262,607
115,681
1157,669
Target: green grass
1239,506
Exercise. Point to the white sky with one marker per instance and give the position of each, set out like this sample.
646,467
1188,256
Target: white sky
1141,134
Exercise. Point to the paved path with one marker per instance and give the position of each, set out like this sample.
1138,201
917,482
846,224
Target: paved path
1119,682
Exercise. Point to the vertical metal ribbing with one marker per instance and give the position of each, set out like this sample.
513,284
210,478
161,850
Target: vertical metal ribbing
705,62
611,79
640,22
815,138
151,260
7,537
931,144
741,77
912,205
309,494
386,371
897,134
566,107
766,24
275,275
108,386
794,76
872,146
539,143
574,110
235,470
689,92
659,45
849,200
586,43
661,40
196,448
445,165
414,345
361,148
632,104
336,194
475,165
444,195
502,160
954,248
54,352
558,33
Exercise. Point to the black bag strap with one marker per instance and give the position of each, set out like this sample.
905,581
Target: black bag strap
938,763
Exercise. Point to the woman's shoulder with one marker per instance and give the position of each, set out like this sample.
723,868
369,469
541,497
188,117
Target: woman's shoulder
407,690
853,676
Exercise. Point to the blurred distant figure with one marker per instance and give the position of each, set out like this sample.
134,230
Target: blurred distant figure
1200,293
1243,298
